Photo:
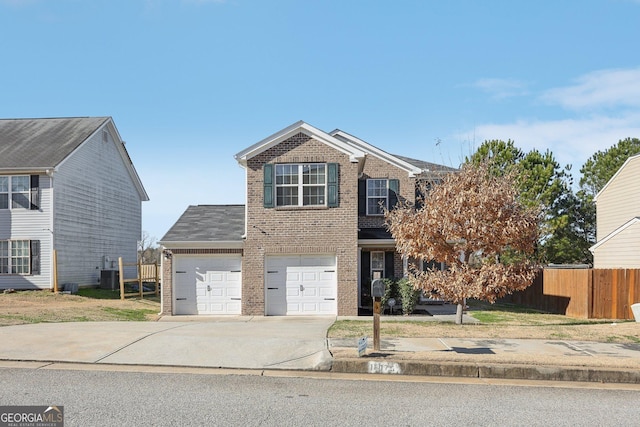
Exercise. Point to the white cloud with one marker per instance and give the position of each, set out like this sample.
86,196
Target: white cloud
572,141
604,108
599,89
501,88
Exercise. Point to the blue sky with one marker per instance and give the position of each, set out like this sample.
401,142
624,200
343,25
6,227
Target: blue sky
190,83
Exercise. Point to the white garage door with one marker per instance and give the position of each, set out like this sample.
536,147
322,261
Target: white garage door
207,285
301,285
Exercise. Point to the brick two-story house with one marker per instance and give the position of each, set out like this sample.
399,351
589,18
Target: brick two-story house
310,237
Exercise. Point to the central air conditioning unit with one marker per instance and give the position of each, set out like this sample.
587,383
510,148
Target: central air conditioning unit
110,279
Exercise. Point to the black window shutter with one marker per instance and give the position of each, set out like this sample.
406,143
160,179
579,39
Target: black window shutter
362,197
269,200
419,202
394,192
389,271
332,185
365,269
35,192
35,256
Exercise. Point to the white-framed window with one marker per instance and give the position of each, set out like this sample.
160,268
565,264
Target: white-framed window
377,196
15,257
4,192
15,192
301,184
377,265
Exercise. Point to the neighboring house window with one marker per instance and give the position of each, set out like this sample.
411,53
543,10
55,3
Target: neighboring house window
4,192
376,195
16,256
308,184
21,191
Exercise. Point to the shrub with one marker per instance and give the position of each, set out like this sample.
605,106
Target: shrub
390,291
409,295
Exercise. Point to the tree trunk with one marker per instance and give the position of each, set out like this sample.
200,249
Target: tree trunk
459,314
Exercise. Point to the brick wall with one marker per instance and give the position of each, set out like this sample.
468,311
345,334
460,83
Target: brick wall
301,230
376,168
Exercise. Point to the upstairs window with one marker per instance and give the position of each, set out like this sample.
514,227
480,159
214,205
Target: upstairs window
307,184
4,193
301,185
377,194
20,191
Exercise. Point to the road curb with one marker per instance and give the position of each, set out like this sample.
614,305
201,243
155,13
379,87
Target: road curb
472,370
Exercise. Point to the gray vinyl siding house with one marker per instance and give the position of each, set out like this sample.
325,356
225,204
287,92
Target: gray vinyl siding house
618,219
84,201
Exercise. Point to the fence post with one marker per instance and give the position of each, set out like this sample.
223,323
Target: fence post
121,271
590,290
140,279
55,271
157,277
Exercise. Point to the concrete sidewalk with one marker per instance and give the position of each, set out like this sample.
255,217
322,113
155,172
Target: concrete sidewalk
492,358
300,343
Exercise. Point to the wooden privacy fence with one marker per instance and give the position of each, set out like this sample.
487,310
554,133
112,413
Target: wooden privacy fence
583,293
146,273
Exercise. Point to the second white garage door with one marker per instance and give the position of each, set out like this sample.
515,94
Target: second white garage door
301,285
207,285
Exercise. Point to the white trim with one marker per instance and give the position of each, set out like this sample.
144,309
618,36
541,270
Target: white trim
386,197
374,243
353,152
381,154
22,171
614,233
202,245
631,158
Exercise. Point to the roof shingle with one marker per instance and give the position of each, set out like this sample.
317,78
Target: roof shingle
43,143
208,223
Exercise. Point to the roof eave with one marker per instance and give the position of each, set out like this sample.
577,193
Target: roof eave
595,198
614,233
27,170
222,244
389,158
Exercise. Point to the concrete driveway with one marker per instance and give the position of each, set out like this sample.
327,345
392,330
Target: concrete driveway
249,342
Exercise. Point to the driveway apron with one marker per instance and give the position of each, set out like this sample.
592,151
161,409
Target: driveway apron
225,342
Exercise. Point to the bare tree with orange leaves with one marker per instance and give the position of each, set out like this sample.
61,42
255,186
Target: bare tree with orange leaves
469,222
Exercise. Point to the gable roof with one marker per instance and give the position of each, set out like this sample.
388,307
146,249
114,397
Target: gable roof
629,160
41,145
299,127
208,225
356,148
615,232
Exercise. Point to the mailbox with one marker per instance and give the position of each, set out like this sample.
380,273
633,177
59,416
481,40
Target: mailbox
377,288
